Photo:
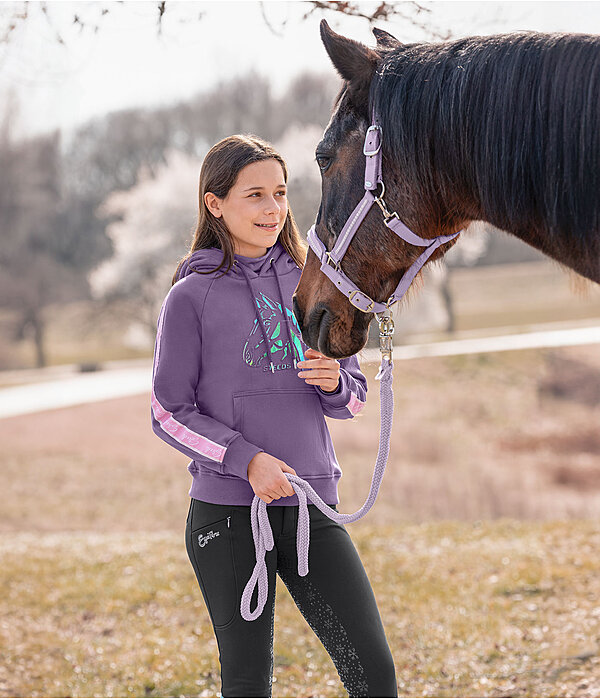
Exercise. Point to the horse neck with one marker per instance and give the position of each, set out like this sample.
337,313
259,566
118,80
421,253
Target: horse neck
484,129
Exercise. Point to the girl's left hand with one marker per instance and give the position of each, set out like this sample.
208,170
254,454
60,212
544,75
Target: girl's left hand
320,370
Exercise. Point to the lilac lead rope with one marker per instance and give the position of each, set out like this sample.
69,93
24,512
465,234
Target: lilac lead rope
261,527
330,265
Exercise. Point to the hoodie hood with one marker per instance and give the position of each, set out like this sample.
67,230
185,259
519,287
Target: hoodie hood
275,262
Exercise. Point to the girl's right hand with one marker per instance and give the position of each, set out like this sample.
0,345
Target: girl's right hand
265,474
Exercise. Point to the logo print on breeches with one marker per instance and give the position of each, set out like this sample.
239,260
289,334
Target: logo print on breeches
205,539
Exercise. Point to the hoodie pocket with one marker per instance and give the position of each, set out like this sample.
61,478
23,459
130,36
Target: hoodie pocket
288,424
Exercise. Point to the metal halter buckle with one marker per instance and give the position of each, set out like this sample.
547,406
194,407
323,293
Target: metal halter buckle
353,293
376,151
330,261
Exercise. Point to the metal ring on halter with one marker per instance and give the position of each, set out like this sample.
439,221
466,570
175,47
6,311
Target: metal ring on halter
383,206
382,191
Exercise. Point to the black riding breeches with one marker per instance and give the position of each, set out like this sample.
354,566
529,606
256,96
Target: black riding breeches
335,598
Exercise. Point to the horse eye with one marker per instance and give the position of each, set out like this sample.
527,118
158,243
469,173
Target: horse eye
323,162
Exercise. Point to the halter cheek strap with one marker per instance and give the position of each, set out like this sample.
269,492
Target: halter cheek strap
330,260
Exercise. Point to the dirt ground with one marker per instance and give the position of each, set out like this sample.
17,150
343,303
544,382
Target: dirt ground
510,434
97,597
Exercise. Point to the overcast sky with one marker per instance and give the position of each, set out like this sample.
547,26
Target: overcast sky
127,64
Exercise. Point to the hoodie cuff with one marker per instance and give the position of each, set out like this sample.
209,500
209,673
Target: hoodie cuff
238,456
341,395
337,389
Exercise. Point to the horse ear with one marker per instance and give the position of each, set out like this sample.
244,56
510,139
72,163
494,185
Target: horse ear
385,40
354,61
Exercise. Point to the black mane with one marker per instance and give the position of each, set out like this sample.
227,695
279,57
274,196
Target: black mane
511,121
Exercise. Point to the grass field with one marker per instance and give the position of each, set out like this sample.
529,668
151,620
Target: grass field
499,609
98,598
482,548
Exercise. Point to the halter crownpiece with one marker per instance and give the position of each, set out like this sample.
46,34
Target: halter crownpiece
330,259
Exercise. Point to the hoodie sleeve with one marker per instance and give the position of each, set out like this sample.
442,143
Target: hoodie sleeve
351,393
176,368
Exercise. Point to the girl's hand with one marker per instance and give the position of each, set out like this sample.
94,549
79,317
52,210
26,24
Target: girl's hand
266,476
320,370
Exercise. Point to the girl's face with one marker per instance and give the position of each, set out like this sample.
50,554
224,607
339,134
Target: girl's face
255,208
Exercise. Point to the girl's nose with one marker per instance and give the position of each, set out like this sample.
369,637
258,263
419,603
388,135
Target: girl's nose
272,206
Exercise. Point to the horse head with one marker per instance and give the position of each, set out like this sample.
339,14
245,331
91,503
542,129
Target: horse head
503,129
376,258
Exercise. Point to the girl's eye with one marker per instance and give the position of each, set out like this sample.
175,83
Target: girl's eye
280,192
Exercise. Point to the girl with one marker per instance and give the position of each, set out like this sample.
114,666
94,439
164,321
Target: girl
235,389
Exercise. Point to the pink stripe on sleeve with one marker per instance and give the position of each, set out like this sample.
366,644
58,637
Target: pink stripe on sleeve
168,423
355,404
184,435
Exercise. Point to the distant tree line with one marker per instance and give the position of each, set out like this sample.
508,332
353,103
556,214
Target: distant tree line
52,231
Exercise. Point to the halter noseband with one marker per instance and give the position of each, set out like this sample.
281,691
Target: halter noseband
330,259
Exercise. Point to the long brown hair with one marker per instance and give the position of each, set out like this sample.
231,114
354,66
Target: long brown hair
218,174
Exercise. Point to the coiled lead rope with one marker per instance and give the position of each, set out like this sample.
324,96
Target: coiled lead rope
261,527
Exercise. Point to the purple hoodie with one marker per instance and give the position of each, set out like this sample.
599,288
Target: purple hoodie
225,385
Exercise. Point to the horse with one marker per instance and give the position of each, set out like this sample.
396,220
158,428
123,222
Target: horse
503,129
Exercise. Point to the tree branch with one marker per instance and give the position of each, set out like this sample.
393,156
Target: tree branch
384,12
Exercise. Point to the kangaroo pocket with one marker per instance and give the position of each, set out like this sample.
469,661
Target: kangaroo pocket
288,424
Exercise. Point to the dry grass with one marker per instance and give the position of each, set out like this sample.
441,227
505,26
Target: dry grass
502,609
97,596
521,294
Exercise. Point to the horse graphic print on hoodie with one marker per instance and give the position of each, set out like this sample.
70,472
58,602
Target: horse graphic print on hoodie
283,349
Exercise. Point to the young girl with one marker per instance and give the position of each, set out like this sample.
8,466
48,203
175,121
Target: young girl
235,389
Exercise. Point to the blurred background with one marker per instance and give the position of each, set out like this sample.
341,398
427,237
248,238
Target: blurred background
106,112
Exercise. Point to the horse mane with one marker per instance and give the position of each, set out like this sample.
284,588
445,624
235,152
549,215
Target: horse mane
510,120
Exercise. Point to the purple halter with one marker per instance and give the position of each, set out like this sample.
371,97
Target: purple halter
330,265
330,259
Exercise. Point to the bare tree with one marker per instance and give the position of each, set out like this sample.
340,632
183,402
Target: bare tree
28,210
43,254
89,18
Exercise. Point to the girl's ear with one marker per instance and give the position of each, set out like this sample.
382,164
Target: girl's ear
213,203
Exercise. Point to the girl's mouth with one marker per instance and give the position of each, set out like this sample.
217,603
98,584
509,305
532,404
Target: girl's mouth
267,227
